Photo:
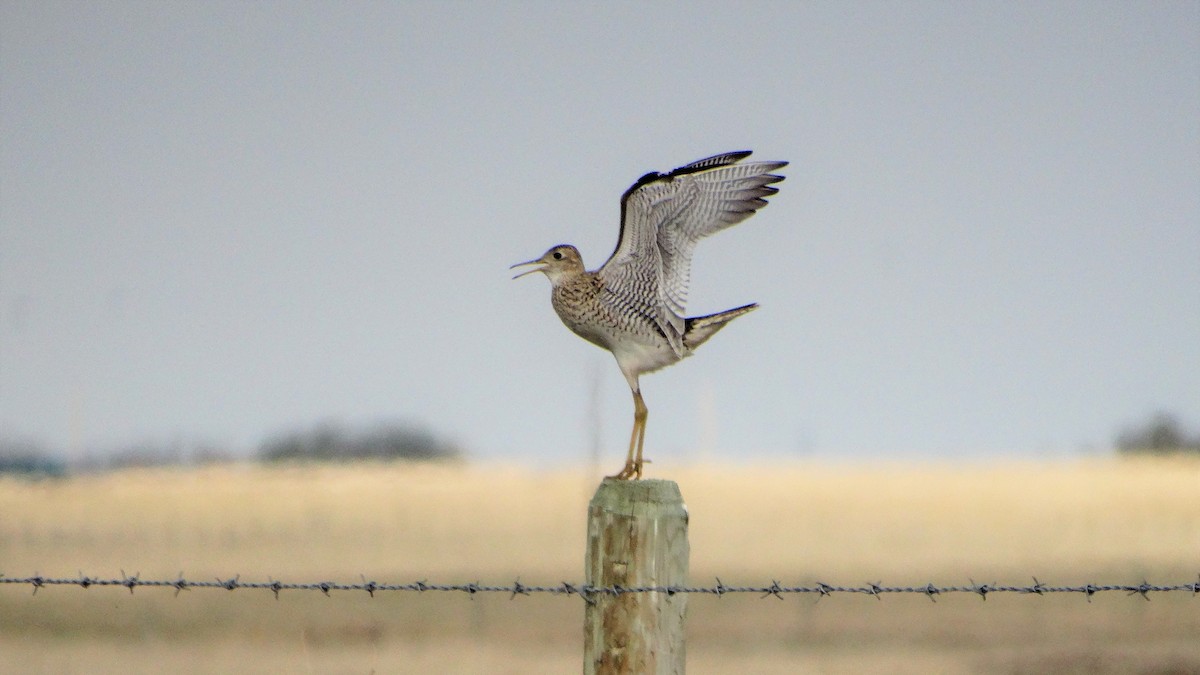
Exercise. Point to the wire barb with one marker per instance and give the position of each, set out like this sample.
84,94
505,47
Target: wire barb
129,582
774,590
182,584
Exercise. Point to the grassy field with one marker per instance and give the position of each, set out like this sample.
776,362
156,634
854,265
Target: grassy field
1110,521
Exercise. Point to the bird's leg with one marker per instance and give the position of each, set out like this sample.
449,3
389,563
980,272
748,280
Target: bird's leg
639,420
627,471
633,467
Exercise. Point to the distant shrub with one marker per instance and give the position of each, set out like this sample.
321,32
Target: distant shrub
1161,435
28,459
332,442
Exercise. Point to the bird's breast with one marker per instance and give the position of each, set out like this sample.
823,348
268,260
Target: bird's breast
579,307
635,339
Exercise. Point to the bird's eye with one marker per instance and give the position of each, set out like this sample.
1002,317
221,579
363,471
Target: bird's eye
558,255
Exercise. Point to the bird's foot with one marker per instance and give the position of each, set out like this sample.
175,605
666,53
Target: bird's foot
632,469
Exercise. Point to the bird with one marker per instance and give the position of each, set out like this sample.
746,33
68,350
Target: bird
633,305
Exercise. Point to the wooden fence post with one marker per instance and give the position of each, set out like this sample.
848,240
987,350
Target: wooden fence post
637,537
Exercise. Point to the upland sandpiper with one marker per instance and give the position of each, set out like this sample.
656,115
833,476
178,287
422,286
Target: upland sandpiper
633,305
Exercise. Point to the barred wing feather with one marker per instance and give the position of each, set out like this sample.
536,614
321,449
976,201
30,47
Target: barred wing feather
662,218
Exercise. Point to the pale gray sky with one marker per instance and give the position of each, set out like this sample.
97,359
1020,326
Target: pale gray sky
220,220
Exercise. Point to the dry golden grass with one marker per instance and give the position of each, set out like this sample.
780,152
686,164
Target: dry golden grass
1113,521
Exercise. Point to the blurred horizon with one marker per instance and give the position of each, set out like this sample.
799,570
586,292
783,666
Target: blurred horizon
381,443
220,222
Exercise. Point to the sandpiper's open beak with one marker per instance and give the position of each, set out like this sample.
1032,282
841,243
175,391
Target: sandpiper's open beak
541,266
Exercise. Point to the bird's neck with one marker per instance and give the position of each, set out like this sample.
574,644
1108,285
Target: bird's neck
576,285
569,277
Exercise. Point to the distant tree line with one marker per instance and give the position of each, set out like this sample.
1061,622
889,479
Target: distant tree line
332,442
325,442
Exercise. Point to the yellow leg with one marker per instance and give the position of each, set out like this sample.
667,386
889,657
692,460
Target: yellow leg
639,415
633,460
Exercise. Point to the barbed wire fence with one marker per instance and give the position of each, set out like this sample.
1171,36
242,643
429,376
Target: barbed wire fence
588,592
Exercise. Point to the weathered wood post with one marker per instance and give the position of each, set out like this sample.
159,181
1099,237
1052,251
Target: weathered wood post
637,537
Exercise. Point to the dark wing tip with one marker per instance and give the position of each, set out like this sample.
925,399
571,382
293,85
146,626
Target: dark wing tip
715,161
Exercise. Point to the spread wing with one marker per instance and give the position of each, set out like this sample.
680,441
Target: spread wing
663,215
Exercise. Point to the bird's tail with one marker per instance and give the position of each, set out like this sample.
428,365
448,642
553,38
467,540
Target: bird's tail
697,329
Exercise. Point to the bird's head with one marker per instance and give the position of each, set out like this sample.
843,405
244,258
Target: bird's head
560,261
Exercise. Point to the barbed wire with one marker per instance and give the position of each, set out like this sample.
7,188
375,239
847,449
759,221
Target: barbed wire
589,592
